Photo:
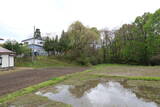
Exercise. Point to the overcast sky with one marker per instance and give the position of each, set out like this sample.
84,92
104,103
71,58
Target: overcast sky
17,17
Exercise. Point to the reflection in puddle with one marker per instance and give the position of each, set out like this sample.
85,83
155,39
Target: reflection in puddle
110,94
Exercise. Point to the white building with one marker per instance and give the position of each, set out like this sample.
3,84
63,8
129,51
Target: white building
6,58
33,41
36,45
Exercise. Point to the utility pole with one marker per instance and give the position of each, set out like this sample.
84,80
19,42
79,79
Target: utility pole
33,44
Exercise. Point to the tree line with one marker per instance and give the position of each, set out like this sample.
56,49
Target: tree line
77,44
17,47
135,43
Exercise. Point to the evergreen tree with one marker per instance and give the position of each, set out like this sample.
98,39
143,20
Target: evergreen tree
37,34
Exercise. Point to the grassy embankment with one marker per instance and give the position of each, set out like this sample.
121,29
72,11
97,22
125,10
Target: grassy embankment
22,64
43,62
96,72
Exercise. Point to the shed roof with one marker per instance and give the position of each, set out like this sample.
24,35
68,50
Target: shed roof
5,51
1,39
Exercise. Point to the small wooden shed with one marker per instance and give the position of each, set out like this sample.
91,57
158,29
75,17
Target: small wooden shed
6,58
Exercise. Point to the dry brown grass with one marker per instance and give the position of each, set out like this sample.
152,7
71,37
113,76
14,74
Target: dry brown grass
120,70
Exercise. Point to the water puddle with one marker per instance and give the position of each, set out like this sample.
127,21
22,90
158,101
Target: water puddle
110,94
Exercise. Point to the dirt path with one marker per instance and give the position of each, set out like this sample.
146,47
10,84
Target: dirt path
17,80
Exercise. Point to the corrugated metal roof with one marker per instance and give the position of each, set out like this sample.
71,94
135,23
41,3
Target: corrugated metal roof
3,50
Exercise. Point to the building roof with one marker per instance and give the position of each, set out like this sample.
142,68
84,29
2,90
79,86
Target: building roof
5,51
35,45
1,39
30,39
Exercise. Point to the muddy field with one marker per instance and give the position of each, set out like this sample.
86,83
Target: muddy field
72,92
88,89
17,80
102,92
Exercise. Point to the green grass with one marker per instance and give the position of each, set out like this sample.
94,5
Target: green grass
143,78
33,100
121,65
102,66
130,78
42,62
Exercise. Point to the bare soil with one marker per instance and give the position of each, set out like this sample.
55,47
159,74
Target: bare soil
18,80
15,69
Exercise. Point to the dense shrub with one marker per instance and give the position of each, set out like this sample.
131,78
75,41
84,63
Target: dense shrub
155,60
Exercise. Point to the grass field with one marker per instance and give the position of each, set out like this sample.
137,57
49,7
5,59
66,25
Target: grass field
142,80
22,64
42,62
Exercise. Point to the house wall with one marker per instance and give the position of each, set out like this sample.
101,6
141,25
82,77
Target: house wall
11,62
39,49
36,45
34,41
7,61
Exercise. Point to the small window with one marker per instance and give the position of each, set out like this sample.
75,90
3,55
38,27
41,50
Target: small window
0,60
